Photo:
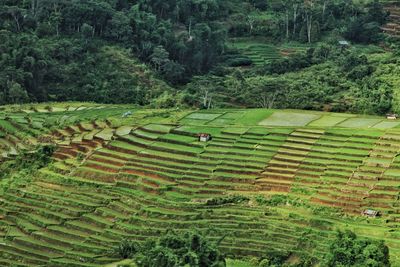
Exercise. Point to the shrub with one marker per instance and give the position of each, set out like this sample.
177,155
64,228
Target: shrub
28,161
349,250
35,159
173,249
238,62
273,201
264,263
235,199
275,258
126,249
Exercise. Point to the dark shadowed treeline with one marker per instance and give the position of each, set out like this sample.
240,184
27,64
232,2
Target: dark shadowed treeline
128,51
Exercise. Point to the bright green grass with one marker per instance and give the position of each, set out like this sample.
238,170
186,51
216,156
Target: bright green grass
253,117
259,131
203,116
231,163
281,118
199,129
359,123
105,134
233,115
125,263
158,127
327,121
238,263
235,130
386,125
220,122
7,126
192,121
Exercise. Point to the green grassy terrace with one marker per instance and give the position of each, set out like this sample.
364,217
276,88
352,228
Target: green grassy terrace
117,177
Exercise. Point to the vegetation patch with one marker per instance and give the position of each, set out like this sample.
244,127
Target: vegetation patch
279,118
327,121
234,199
359,123
173,249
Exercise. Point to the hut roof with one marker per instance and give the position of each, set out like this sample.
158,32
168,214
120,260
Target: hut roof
369,212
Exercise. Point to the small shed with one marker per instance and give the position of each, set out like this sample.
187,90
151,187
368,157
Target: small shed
204,137
126,114
370,213
391,116
344,43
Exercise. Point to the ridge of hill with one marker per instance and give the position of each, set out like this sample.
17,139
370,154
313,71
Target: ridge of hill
306,175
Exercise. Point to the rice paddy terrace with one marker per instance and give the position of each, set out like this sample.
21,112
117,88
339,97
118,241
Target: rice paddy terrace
134,177
393,26
261,52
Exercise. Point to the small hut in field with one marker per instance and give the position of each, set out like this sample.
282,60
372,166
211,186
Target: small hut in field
204,137
344,43
370,213
391,116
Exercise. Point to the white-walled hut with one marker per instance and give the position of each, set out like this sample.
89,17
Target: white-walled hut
370,213
392,116
204,137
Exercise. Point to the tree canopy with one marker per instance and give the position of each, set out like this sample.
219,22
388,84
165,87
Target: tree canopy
190,248
349,250
136,51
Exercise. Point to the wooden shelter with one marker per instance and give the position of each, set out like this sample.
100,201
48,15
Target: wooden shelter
391,116
204,137
126,114
370,213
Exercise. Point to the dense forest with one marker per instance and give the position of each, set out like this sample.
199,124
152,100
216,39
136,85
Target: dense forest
187,53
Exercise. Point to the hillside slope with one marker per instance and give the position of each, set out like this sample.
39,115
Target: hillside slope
306,175
393,26
109,75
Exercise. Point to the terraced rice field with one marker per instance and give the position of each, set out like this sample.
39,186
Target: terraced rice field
262,52
137,178
25,128
393,26
259,53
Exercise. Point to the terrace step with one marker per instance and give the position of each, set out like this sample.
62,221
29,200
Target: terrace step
284,171
27,251
84,226
68,233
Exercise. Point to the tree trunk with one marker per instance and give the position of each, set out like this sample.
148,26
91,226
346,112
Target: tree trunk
287,24
271,101
268,102
205,98
309,26
295,14
15,16
309,18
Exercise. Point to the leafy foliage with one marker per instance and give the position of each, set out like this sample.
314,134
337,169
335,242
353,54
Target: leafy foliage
235,199
173,249
126,249
20,169
349,250
274,200
28,160
322,78
52,50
